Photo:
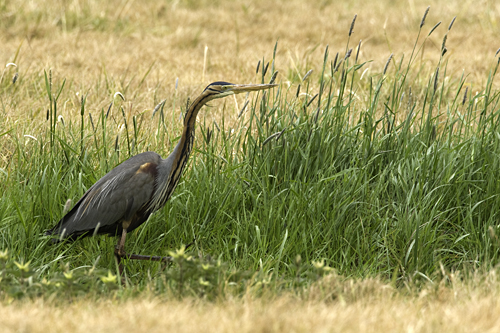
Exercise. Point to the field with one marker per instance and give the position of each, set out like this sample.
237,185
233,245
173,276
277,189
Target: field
360,196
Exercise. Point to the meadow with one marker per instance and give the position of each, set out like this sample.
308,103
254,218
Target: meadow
360,194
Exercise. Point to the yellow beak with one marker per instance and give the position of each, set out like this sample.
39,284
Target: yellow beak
240,88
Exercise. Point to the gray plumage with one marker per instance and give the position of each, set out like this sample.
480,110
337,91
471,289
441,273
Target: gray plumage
113,199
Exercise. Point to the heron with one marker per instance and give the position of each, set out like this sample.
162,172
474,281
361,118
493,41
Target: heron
125,197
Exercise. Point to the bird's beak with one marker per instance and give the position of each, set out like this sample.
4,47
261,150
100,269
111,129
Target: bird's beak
240,88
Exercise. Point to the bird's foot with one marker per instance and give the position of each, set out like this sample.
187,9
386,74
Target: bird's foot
143,257
120,252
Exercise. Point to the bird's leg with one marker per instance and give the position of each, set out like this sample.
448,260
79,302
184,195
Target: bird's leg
153,258
120,248
120,252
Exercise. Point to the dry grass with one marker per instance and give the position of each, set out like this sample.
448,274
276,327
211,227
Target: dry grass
101,48
365,306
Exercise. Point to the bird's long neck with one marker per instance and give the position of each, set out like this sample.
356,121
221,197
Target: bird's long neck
183,148
175,163
192,111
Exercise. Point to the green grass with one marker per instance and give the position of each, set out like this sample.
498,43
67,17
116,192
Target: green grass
394,183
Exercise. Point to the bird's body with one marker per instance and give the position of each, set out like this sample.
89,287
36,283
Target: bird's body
128,190
126,196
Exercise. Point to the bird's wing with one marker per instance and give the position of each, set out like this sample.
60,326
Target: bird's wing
114,197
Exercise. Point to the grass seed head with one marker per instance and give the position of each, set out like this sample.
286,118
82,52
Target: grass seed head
118,94
436,76
348,54
434,28
432,136
209,135
157,107
109,109
318,110
357,52
465,95
91,122
270,138
281,133
451,24
387,63
352,24
443,45
338,65
425,15
273,78
307,75
312,99
265,69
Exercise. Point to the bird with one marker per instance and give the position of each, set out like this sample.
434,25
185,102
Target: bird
125,197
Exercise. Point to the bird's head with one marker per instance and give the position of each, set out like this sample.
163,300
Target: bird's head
221,89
